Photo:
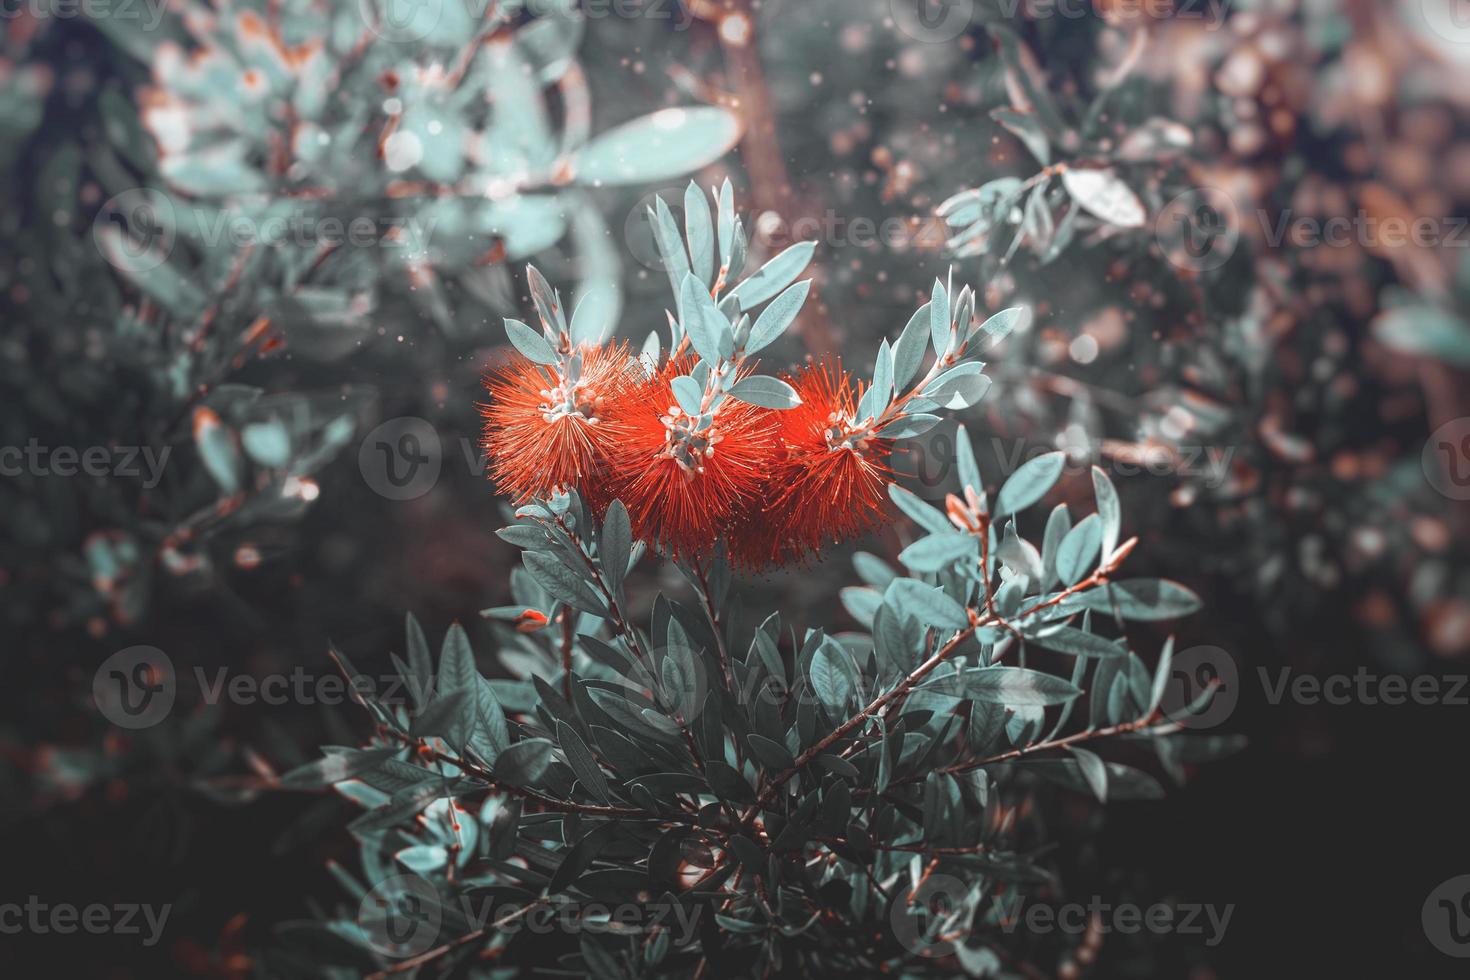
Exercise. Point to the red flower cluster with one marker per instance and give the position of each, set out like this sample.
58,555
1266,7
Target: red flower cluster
551,428
777,485
829,482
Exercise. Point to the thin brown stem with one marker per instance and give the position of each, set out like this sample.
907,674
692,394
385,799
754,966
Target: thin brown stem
714,621
1086,735
550,802
924,670
568,633
469,937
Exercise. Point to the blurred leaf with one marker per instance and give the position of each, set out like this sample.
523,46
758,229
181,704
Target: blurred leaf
668,143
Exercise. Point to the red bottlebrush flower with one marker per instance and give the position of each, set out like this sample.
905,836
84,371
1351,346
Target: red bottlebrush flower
832,480
684,485
546,427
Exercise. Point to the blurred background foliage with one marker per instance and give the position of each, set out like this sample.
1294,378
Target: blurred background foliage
165,284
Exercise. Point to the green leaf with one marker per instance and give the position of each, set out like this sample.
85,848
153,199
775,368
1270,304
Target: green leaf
580,758
1105,195
457,671
701,235
668,143
777,316
529,342
908,353
1425,331
1078,643
617,545
969,468
727,226
1058,523
689,394
1109,510
1078,550
446,717
268,443
418,651
830,679
918,511
770,752
546,300
492,734
152,272
523,763
861,603
527,537
562,583
960,387
882,386
873,570
1161,676
936,551
1093,771
999,326
908,426
670,244
1143,600
1031,481
765,391
1017,686
837,765
1025,128
217,449
939,318
1124,782
706,326
727,782
336,767
590,321
926,602
775,275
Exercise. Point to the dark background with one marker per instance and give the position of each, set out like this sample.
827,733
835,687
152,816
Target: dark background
1327,833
